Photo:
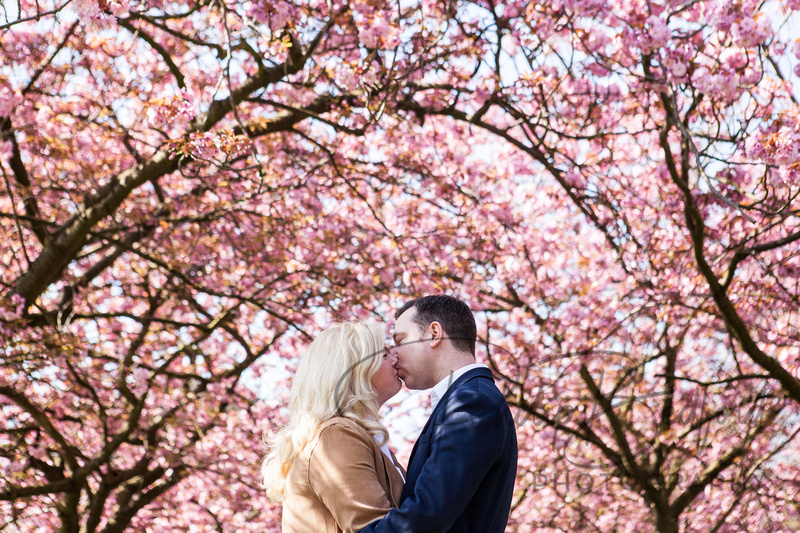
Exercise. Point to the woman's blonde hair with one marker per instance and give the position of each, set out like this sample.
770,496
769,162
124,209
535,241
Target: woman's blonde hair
332,379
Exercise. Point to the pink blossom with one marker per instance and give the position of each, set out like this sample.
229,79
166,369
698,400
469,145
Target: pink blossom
86,9
574,178
280,15
19,303
597,39
140,376
678,70
658,32
15,467
722,85
749,33
44,114
735,58
119,8
5,150
10,98
368,37
7,316
346,78
165,111
379,34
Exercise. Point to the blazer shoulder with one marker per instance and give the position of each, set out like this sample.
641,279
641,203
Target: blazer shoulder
337,437
340,442
478,387
341,424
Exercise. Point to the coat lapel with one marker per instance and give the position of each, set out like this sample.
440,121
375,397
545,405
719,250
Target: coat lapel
436,413
393,477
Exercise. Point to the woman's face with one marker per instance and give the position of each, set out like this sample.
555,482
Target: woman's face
385,380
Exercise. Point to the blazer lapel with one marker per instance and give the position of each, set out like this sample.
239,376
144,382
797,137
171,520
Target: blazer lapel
472,374
393,477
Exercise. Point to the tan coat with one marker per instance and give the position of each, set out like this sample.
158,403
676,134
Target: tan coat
340,482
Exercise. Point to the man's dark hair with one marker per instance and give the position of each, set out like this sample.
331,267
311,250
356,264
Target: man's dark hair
453,314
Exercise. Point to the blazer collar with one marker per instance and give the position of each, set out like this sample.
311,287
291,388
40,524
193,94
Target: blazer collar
468,376
440,388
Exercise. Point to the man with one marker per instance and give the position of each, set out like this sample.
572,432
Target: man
460,477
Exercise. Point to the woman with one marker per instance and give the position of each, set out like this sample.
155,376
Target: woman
326,465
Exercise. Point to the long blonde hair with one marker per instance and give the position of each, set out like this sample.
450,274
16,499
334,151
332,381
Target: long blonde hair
332,379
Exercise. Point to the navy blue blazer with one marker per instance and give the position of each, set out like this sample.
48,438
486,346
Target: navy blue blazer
460,477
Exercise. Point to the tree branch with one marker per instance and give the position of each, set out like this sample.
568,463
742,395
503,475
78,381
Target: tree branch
155,45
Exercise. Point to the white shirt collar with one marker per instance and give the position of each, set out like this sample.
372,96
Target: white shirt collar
440,388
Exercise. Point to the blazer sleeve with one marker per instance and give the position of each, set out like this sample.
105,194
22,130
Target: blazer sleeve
464,444
342,473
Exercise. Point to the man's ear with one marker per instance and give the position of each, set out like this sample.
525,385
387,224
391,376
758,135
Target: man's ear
437,334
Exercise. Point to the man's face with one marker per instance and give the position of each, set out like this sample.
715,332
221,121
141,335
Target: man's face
414,364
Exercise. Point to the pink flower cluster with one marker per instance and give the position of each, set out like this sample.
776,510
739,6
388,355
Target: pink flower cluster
211,146
649,36
722,84
10,313
779,145
166,111
658,32
88,10
277,15
751,32
10,98
379,33
796,52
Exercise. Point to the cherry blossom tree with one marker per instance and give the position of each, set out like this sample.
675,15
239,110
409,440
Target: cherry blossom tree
191,190
643,291
175,212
